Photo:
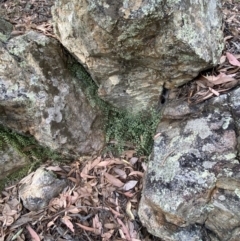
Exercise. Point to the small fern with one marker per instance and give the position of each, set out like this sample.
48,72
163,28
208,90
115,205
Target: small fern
123,129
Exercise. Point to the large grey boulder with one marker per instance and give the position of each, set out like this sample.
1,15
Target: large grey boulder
192,185
39,96
133,48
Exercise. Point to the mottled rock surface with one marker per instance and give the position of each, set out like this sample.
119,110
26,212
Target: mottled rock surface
39,96
192,184
10,161
5,30
132,48
40,189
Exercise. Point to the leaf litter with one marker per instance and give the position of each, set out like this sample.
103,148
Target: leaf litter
100,203
224,77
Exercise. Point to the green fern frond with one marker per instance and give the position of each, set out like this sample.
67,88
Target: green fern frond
121,127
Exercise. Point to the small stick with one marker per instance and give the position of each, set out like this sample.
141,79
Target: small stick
166,158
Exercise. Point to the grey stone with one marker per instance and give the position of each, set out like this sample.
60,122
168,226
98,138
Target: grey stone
42,187
193,177
133,48
39,96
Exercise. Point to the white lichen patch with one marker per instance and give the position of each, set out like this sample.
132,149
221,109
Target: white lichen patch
199,127
237,192
227,121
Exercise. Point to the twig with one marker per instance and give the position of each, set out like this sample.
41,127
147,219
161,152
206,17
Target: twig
164,160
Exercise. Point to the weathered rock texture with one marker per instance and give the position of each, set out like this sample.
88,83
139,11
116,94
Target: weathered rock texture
40,189
5,30
192,186
39,96
131,48
10,161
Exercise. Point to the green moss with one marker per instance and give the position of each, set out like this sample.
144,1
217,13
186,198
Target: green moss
25,145
15,176
123,129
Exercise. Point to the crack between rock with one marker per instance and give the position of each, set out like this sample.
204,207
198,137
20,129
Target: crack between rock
236,129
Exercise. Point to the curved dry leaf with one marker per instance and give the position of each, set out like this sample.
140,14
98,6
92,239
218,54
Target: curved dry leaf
104,163
201,84
128,211
117,214
141,174
7,211
232,59
120,172
54,168
214,91
129,194
110,225
7,220
95,162
85,170
144,166
106,236
222,59
113,180
88,228
68,223
96,223
33,234
129,185
133,160
72,209
227,38
51,223
124,229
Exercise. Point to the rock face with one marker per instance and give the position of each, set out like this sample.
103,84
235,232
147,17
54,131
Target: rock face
40,189
192,184
10,161
39,96
133,48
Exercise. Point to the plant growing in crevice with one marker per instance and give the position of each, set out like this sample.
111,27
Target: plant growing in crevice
123,129
26,145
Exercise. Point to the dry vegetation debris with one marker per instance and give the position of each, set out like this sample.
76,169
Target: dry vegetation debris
28,15
226,75
100,203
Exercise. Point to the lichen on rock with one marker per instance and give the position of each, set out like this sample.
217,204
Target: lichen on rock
193,175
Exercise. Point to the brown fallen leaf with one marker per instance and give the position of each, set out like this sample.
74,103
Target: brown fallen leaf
106,236
95,162
141,174
67,222
129,185
120,172
214,91
113,180
88,228
232,59
128,211
110,225
33,234
133,160
124,229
